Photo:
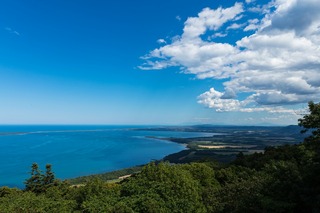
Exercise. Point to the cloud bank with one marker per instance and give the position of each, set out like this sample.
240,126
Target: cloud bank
276,65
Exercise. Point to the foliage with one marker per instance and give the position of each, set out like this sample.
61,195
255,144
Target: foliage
8,191
311,121
171,186
30,202
39,182
34,183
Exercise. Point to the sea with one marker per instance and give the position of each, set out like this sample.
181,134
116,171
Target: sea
80,150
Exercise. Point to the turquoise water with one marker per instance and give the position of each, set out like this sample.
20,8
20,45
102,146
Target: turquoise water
79,150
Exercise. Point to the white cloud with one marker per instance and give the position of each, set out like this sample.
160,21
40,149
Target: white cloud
189,51
216,35
215,100
249,1
209,19
278,64
264,9
161,41
12,31
178,18
234,26
253,25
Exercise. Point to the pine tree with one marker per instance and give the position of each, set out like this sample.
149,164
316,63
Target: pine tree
39,182
48,179
34,183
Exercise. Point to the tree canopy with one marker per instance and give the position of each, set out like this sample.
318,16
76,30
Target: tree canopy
311,121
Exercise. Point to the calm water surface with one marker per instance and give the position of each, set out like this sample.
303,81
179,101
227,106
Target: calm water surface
79,150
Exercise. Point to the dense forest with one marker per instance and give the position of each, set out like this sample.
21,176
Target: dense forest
282,179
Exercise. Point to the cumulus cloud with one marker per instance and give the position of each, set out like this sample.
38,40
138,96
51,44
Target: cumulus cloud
216,100
209,19
278,64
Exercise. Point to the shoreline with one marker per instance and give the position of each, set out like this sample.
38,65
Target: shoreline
220,146
125,172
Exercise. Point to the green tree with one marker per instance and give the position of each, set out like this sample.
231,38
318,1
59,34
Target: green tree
5,190
38,182
284,188
311,121
240,191
48,178
30,202
209,186
170,188
35,182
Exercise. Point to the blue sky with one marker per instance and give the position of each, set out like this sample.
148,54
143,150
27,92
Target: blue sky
157,62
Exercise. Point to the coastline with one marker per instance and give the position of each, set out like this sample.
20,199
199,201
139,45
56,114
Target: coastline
75,151
225,143
121,174
220,144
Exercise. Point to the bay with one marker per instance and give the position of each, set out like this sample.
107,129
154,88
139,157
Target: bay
80,150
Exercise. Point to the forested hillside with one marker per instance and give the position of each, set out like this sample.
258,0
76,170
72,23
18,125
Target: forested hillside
282,179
